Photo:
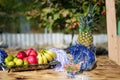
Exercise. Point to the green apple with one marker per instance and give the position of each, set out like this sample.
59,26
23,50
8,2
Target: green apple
15,59
10,64
25,64
9,58
19,62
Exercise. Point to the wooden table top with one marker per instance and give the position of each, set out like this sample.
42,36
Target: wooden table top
105,70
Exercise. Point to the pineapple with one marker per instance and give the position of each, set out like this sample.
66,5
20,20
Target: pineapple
86,27
85,38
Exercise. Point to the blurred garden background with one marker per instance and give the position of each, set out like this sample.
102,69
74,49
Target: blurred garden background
48,17
51,15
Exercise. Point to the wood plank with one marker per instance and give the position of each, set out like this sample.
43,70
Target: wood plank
118,39
105,70
111,30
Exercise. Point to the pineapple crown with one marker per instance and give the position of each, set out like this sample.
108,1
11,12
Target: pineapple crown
87,22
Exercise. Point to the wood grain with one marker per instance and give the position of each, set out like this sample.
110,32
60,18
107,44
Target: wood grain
105,70
112,30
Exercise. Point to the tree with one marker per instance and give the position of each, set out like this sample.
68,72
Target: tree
55,15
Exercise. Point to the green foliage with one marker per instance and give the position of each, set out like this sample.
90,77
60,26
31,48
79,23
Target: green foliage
9,24
13,6
118,9
87,22
55,15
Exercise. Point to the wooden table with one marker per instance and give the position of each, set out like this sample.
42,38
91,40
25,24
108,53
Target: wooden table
105,70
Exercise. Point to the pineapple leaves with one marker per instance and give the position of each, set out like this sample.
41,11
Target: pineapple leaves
87,22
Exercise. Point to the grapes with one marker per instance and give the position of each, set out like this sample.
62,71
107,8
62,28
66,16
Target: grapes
3,55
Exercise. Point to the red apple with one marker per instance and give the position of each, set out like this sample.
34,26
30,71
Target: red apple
32,59
25,58
31,51
21,54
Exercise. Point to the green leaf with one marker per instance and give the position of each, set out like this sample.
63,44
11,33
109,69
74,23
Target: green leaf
56,16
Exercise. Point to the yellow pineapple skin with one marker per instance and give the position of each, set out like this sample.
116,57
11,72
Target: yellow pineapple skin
85,38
